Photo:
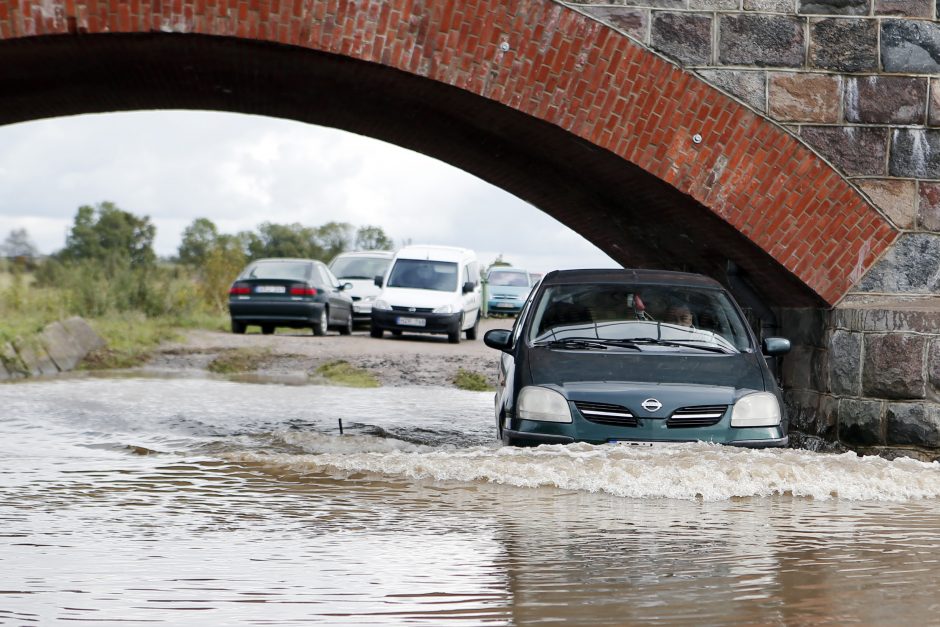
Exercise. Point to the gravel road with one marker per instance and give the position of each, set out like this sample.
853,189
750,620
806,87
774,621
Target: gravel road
394,361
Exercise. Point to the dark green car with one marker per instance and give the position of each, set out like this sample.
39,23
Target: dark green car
639,357
286,292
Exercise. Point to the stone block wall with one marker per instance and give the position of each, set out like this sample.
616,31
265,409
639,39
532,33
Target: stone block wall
58,348
857,80
866,375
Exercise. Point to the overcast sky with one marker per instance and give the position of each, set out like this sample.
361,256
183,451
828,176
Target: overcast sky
240,170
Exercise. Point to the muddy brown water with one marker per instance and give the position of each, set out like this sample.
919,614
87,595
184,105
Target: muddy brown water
195,501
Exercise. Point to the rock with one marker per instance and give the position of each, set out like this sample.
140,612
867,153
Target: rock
886,99
911,266
835,7
685,37
746,85
845,363
915,424
915,153
34,357
761,40
86,337
856,151
63,350
894,366
843,45
802,97
860,422
910,46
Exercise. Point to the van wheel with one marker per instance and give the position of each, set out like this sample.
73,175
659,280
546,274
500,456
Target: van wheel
320,327
472,331
454,336
376,333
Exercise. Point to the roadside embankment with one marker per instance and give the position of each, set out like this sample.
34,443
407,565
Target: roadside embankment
59,347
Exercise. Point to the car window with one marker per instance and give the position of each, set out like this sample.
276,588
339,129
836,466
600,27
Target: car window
508,278
285,270
330,277
424,274
631,312
359,267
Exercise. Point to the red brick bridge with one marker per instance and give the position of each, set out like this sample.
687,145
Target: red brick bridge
603,118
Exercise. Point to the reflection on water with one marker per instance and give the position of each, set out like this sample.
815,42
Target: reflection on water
194,502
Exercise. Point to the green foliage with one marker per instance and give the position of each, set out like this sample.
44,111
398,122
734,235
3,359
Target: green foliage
198,239
106,232
372,238
470,380
240,360
343,373
18,245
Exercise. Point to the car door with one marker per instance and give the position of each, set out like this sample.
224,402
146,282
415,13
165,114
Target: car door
470,300
340,303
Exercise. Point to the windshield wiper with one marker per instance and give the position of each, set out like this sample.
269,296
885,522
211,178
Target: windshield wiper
573,342
355,277
684,344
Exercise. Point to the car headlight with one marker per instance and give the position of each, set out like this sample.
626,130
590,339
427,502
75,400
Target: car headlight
756,410
538,403
367,299
380,304
445,309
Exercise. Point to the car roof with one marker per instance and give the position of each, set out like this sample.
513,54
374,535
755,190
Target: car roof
434,253
506,269
366,253
300,259
630,275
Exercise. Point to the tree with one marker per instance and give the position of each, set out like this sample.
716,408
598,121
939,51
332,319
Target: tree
333,238
107,232
372,238
198,239
18,244
284,240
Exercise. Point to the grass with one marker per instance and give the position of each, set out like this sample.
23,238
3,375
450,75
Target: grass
472,381
240,360
343,373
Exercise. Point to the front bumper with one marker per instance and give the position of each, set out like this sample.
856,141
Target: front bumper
504,306
409,322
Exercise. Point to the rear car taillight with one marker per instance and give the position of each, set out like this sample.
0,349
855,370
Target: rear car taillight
238,290
302,290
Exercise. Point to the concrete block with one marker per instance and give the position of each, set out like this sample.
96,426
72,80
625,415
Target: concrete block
894,366
686,37
896,197
845,363
843,45
860,421
63,350
856,151
916,424
86,337
804,97
910,46
761,40
886,99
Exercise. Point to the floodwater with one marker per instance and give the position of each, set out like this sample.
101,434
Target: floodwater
211,502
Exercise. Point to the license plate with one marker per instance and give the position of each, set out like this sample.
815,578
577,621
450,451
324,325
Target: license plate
639,444
412,322
505,305
270,289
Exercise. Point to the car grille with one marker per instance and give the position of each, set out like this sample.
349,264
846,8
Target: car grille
505,297
356,298
698,416
413,309
606,414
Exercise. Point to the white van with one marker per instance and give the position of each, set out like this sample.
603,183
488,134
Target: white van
360,268
429,289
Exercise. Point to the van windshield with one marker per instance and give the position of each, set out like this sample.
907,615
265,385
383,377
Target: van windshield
424,275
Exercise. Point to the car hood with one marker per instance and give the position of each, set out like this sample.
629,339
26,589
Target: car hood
563,368
362,288
409,297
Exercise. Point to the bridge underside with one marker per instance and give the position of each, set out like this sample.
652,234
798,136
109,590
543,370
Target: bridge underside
633,216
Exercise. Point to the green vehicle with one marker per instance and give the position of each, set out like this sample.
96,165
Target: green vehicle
638,357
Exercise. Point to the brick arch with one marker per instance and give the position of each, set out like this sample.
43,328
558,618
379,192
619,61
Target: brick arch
532,96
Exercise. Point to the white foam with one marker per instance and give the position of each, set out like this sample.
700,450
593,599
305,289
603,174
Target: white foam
687,471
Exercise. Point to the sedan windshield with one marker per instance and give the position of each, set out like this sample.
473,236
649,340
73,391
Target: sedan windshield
508,278
359,267
424,274
638,316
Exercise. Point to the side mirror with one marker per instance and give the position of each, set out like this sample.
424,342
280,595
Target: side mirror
468,287
377,280
500,339
774,346
346,286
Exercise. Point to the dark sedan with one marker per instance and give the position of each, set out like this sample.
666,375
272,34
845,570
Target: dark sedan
637,357
296,293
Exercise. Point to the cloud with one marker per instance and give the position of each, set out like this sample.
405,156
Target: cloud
240,170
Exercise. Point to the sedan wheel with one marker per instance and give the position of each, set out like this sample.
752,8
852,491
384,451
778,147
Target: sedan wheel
347,328
320,327
238,326
267,329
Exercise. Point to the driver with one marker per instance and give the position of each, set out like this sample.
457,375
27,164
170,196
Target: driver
679,314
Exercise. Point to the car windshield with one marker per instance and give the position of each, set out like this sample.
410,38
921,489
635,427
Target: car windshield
424,274
359,267
638,315
508,278
287,270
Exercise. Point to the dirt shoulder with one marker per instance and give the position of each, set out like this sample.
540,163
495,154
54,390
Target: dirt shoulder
295,355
